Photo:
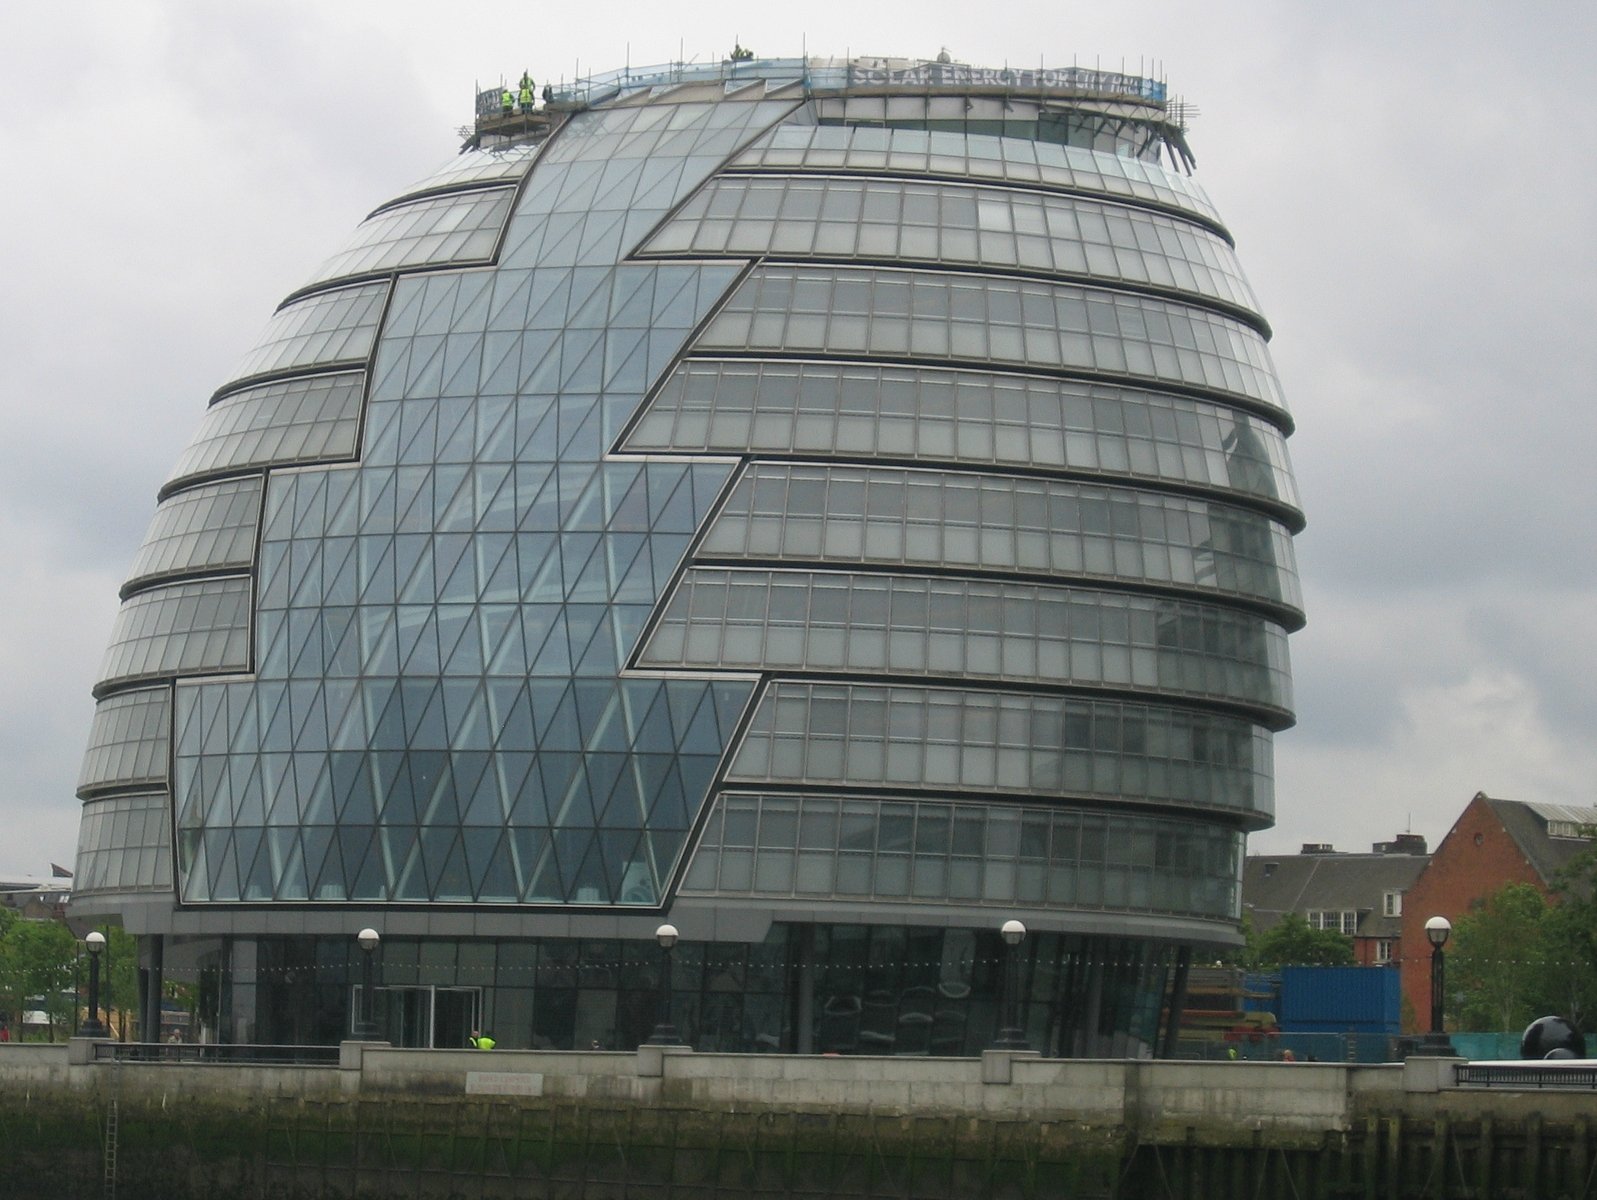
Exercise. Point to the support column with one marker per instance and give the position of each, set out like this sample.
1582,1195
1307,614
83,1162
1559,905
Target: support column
150,996
805,1017
1178,1004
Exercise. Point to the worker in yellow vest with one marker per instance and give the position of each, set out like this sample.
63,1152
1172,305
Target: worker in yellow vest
481,1040
507,102
525,98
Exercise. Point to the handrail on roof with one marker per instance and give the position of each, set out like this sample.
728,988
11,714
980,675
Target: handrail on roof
841,74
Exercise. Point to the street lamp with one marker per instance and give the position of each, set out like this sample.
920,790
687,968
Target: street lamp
665,1033
92,1028
1437,931
1011,1036
366,1026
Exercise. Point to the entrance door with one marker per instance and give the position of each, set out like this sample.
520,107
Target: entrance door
455,1015
427,1018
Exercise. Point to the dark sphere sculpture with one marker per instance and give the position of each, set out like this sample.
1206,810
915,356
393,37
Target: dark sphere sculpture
1547,1034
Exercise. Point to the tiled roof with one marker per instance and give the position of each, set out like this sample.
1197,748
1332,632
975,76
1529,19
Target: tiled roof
1527,825
1276,884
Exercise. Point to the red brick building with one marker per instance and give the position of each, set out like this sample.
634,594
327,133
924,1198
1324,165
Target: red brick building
1492,844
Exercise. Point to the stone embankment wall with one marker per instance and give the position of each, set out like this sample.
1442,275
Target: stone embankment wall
658,1124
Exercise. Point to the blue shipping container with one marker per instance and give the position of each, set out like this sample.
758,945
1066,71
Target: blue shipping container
1339,999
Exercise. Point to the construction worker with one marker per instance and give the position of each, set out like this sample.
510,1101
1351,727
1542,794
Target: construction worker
507,102
524,97
481,1040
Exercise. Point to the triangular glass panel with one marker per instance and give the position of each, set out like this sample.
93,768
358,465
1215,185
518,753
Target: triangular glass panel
454,881
224,867
457,430
604,771
355,844
256,876
500,373
402,850
462,367
488,858
318,843
599,658
619,849
371,882
539,864
528,806
348,777
289,865
399,800
580,866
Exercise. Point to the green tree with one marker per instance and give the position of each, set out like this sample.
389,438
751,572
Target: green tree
1571,938
1292,942
36,969
1568,966
1497,965
119,980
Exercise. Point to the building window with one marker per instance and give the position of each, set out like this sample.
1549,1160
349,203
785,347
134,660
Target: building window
1383,950
1392,904
1339,920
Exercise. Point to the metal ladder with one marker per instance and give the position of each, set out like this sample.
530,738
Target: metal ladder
109,1183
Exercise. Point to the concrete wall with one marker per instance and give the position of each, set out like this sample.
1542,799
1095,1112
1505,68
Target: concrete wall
1214,1098
614,1126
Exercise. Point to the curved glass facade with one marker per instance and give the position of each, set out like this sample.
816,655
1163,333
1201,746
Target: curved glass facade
833,519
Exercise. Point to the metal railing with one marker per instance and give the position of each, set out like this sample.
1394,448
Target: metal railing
1526,1076
210,1052
839,74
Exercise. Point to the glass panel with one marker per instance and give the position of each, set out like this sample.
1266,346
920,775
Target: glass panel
965,855
180,629
924,738
966,629
321,330
935,414
315,419
435,231
1003,524
1039,326
129,742
938,223
210,528
478,166
124,845
918,152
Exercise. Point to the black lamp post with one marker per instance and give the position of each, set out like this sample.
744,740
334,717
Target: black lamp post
366,1026
95,943
1436,1043
1011,1036
665,1033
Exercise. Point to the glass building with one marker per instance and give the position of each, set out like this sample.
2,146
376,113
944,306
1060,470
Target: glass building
833,506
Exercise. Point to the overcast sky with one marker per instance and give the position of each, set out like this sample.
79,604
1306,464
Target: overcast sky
1411,186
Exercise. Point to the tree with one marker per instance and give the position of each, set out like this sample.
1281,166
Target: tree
1497,966
119,978
36,969
1571,936
1292,942
1569,963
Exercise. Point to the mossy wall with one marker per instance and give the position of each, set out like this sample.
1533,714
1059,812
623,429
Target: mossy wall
253,1148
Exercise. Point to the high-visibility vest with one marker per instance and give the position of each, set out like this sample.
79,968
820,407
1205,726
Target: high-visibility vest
506,100
485,1042
526,98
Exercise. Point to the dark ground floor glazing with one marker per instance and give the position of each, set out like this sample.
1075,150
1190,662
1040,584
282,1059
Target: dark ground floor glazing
846,989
